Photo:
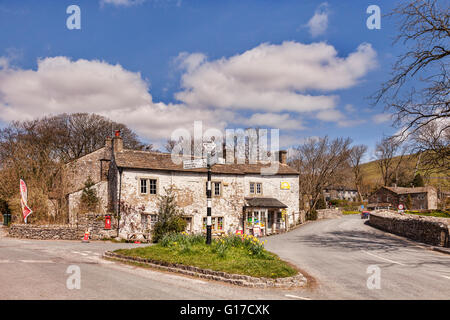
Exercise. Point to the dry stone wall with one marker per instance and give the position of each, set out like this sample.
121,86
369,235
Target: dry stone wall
94,223
328,214
430,230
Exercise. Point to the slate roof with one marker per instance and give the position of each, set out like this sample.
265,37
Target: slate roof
264,203
133,159
401,190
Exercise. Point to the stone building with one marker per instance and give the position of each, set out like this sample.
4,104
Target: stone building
420,198
243,199
340,193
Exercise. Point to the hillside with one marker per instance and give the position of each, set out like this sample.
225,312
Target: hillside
372,175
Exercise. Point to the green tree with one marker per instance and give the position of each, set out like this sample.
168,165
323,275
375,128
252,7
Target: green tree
408,202
321,203
89,198
418,181
170,218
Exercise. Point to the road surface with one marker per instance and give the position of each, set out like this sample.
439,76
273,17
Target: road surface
335,252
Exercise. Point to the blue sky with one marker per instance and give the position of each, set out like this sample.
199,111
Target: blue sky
160,65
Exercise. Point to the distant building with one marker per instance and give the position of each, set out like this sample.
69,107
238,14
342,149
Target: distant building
340,193
421,198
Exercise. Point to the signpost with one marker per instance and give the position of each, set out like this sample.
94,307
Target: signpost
205,163
401,208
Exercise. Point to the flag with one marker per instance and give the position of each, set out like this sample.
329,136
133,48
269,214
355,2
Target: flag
26,211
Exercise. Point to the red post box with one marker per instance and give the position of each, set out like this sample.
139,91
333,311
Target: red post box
108,222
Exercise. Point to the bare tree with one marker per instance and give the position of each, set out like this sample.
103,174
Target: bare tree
424,29
321,163
37,151
390,155
433,146
356,155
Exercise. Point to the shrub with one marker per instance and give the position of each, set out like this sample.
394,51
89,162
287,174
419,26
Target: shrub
311,215
89,199
170,217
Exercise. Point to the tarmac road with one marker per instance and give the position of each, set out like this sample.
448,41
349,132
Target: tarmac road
335,252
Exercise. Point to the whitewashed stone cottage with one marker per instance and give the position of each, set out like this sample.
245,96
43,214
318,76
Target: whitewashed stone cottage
243,199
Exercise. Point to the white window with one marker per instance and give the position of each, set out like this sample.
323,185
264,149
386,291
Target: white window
216,223
216,189
259,188
143,186
252,187
148,186
153,183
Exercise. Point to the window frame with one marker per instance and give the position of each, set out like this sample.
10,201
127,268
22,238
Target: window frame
147,179
213,183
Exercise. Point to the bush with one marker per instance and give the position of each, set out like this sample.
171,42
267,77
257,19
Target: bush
311,215
170,217
321,204
89,199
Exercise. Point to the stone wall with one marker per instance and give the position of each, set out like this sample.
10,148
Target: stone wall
94,223
430,230
329,213
45,232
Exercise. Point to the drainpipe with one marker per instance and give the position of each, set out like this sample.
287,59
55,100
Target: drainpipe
120,198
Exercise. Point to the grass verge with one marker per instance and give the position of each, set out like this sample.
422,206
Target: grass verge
346,212
436,213
231,255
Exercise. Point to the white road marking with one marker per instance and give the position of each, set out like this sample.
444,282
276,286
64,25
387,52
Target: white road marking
391,261
5,261
296,297
446,277
36,261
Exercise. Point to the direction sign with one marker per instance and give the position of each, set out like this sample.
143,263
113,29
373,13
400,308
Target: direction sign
209,146
194,164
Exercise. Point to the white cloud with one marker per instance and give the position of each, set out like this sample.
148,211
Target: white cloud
382,117
273,78
61,85
125,3
276,83
273,120
318,24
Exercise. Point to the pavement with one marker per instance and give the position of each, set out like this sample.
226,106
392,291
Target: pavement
335,253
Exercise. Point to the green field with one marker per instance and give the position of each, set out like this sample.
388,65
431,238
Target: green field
372,176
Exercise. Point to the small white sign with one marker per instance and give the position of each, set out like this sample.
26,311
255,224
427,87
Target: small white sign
209,146
194,164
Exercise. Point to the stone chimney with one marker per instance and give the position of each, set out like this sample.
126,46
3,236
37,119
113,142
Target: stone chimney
117,142
282,156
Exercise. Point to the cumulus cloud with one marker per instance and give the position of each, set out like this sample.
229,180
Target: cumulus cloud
275,85
60,85
273,78
273,120
125,3
382,117
318,23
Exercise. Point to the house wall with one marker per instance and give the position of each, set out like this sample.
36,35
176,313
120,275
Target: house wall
419,201
190,189
79,170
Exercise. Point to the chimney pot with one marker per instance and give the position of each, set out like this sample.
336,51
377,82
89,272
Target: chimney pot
282,156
